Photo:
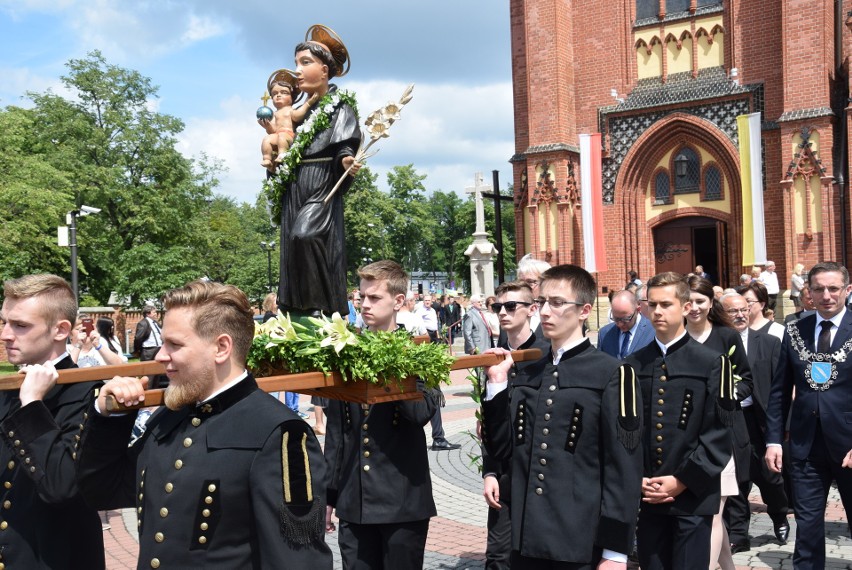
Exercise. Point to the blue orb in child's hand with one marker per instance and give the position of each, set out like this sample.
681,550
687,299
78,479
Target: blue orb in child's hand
264,113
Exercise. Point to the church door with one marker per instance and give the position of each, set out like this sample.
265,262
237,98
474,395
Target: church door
682,244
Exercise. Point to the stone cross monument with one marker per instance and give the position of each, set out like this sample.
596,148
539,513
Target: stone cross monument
481,252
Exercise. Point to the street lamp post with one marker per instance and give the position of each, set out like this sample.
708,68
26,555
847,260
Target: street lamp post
268,247
71,220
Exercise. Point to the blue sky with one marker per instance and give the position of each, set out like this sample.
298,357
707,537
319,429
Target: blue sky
211,60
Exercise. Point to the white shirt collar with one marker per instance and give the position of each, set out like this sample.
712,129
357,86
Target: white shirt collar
565,348
665,347
227,386
58,359
835,320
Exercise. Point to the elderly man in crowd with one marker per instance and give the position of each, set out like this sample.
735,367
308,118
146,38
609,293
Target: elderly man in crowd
629,330
763,351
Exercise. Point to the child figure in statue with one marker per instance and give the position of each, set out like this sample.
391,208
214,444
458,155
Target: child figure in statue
283,89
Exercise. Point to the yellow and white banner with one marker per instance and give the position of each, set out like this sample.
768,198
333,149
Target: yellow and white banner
751,177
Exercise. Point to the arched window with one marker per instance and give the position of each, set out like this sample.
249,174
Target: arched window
650,8
712,183
687,171
662,194
647,9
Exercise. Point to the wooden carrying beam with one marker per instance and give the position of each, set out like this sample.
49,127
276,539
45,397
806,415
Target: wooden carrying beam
314,383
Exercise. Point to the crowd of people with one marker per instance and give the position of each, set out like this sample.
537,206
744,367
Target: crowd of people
647,444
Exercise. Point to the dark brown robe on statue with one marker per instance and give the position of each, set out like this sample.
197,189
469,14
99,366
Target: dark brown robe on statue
313,257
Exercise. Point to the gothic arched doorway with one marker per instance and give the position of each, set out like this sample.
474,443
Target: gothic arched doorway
685,242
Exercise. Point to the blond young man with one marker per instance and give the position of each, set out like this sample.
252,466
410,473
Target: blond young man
44,523
225,476
570,425
380,485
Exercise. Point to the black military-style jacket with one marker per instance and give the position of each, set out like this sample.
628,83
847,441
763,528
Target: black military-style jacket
572,434
238,482
378,463
687,395
502,468
44,523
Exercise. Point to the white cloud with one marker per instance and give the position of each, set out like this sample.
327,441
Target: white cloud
199,29
21,79
445,135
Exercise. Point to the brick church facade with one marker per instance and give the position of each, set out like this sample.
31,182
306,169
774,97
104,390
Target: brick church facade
663,82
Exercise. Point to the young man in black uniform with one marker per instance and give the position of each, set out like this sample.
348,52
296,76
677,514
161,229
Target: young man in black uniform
570,426
688,395
44,523
225,475
514,307
380,484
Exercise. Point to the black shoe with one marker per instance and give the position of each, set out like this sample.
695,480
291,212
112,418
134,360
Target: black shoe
782,530
444,445
740,547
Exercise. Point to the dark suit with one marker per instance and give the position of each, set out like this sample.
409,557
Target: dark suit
685,436
763,351
47,525
609,338
238,482
576,459
380,484
499,546
726,341
820,432
143,331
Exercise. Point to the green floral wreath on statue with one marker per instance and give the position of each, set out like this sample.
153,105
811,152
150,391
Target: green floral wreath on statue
317,122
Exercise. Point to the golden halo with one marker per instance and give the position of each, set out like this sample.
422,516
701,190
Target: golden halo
284,76
327,37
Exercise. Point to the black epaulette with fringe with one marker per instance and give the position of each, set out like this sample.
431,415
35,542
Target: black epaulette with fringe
726,402
628,417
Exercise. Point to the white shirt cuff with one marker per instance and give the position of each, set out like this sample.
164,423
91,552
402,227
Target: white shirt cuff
614,556
492,389
773,445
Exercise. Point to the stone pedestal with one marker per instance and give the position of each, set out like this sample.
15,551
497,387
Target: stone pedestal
481,252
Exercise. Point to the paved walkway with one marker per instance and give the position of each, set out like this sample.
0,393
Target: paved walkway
457,535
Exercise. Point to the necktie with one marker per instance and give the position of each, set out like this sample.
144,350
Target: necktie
484,320
824,340
625,342
158,334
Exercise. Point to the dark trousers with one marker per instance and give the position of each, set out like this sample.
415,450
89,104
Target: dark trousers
773,300
394,546
158,380
437,426
498,549
811,480
668,542
148,353
520,562
771,486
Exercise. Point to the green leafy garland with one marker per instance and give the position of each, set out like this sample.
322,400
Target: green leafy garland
318,121
328,345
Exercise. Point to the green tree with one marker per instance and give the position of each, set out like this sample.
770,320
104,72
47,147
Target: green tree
367,216
34,197
122,158
445,208
412,229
